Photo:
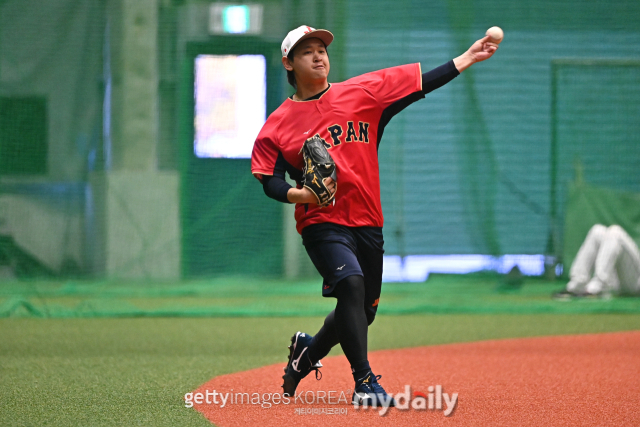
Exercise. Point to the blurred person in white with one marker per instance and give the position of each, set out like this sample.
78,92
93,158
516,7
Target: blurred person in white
607,263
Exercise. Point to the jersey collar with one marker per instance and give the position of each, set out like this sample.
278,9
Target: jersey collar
314,97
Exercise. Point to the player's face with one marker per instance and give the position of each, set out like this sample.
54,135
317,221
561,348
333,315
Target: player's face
311,61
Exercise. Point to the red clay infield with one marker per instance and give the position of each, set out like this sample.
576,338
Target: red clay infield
561,380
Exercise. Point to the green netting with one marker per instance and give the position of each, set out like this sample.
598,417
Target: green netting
98,177
477,293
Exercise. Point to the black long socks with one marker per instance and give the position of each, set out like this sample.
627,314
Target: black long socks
347,325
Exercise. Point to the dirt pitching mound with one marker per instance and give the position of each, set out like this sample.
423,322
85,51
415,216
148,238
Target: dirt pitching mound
562,380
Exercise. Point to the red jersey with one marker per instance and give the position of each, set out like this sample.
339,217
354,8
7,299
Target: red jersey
348,117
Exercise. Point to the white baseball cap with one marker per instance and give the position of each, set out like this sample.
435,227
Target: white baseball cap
304,32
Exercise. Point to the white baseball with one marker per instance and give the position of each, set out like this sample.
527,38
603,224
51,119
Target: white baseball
495,34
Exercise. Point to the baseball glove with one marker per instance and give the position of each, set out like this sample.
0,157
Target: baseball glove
318,165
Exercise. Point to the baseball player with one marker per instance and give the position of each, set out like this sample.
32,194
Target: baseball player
338,213
608,262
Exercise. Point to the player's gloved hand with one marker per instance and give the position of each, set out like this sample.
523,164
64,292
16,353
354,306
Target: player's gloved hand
319,171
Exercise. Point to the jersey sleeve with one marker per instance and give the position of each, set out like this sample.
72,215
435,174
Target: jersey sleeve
265,154
391,84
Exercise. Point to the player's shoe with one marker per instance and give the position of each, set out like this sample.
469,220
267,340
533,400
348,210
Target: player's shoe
299,365
564,295
570,295
369,393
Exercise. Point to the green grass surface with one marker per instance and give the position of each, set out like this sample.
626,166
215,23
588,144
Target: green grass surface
238,296
79,372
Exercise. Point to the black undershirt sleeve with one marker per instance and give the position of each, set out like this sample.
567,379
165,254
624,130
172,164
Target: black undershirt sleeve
276,188
438,77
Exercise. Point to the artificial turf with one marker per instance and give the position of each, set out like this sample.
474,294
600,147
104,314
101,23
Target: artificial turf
249,296
68,372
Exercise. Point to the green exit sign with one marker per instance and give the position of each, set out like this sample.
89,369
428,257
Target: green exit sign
227,18
235,19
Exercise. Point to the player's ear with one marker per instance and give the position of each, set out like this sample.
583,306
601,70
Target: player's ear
287,63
